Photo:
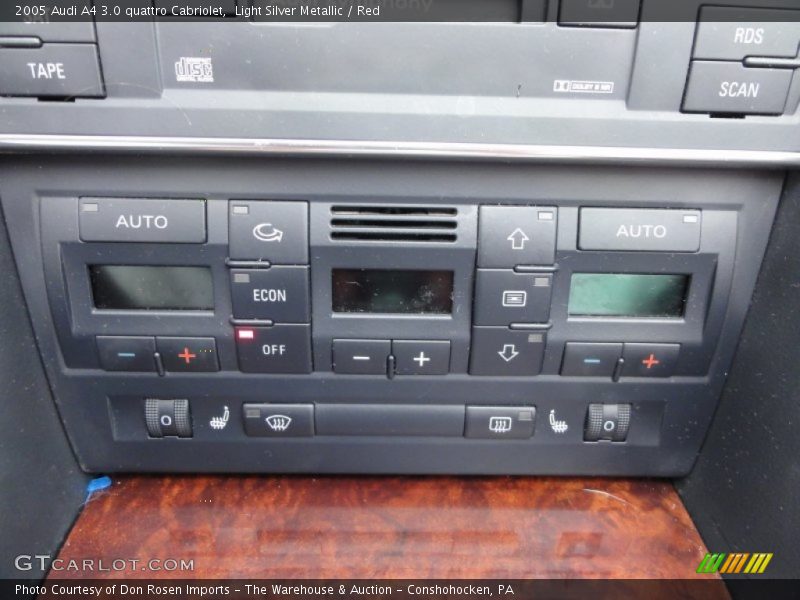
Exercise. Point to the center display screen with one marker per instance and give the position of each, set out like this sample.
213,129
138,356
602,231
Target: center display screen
627,295
392,292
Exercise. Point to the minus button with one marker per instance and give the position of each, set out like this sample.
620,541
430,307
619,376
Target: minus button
360,357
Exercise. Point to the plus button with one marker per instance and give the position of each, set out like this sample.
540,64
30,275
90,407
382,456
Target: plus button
651,361
422,359
187,356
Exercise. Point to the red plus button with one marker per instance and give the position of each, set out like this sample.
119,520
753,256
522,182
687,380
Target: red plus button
650,360
188,354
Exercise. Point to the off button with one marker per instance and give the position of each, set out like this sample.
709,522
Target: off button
276,349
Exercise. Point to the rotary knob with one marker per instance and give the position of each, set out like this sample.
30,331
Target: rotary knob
168,418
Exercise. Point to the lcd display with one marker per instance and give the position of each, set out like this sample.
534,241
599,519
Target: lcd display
398,292
627,295
129,287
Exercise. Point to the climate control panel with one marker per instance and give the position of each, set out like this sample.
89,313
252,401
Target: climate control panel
324,319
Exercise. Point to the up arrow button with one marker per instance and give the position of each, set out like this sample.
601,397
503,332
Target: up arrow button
509,236
518,239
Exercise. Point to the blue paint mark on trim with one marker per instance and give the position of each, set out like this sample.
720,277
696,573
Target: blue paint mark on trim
97,484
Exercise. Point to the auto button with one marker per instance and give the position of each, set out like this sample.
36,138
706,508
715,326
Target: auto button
142,220
644,230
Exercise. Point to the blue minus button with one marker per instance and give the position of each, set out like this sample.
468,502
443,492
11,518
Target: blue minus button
127,353
591,359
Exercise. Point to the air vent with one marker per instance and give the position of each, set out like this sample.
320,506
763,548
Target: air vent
394,223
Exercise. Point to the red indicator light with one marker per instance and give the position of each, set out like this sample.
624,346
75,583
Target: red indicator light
245,334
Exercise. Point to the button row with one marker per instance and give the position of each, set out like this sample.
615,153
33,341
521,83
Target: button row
274,233
733,51
173,418
614,360
148,354
306,420
409,357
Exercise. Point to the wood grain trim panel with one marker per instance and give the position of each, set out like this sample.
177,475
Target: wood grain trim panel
391,527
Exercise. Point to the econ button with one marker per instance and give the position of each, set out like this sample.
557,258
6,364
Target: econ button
142,220
278,294
642,230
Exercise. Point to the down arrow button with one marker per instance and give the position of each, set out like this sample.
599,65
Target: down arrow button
505,352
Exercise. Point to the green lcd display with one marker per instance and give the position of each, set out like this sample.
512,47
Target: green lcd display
627,295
